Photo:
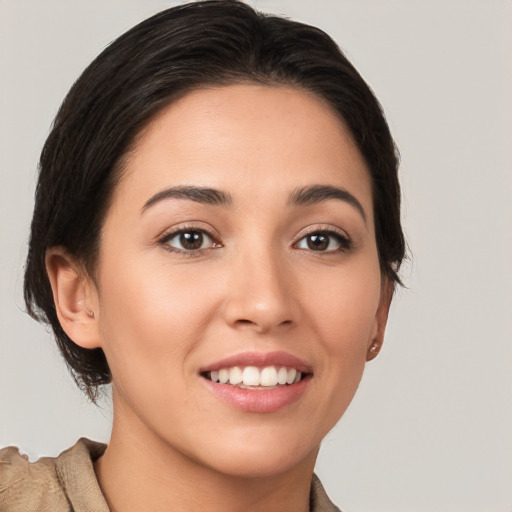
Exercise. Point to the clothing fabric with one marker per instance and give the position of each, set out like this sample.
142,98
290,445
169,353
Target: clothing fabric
67,483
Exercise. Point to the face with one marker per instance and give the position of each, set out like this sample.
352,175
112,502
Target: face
238,283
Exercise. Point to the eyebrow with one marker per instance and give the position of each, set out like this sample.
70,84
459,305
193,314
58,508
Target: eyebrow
203,195
315,194
304,196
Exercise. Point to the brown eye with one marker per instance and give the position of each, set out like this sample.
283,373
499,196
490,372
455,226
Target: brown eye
192,240
317,242
324,241
189,240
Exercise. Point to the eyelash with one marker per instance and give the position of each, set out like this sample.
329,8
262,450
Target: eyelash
344,242
164,241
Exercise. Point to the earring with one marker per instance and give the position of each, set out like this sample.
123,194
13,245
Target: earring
90,314
374,347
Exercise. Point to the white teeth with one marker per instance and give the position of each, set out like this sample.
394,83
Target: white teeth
223,376
292,373
269,376
282,376
252,376
235,376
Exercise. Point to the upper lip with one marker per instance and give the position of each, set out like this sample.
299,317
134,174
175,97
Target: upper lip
260,360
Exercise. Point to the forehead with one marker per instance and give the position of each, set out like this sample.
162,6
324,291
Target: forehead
249,138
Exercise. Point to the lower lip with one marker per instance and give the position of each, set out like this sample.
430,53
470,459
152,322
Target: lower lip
258,400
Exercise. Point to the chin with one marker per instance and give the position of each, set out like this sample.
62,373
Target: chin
263,463
259,456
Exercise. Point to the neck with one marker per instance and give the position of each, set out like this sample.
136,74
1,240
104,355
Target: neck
139,471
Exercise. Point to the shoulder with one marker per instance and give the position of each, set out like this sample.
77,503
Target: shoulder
29,486
319,501
51,483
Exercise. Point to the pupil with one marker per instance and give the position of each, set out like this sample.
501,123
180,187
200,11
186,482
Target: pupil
318,242
191,240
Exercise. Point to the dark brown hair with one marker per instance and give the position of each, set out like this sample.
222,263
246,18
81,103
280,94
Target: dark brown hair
216,42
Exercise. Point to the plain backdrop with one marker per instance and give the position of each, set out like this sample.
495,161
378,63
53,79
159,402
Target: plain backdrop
431,426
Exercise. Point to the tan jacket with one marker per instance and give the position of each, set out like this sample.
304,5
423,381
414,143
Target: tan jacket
68,483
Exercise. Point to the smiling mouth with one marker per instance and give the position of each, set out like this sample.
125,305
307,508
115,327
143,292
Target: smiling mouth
252,377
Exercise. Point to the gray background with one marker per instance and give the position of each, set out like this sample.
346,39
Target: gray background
431,426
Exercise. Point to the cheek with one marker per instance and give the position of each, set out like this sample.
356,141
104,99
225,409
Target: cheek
344,308
151,315
344,311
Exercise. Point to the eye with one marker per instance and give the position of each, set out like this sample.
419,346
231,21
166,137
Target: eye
189,240
324,241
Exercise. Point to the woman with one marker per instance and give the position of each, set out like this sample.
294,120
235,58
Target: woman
217,234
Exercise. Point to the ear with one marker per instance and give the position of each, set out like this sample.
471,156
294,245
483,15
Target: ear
75,297
381,318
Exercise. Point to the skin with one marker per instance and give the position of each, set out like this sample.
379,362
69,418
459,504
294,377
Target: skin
161,315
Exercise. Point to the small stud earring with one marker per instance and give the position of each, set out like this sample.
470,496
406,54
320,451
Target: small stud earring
375,346
90,314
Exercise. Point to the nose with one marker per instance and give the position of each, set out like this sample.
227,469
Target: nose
262,294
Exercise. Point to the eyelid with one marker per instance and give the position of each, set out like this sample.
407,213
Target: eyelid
176,230
324,228
191,225
346,240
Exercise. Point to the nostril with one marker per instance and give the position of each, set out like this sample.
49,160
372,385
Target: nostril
246,312
243,321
